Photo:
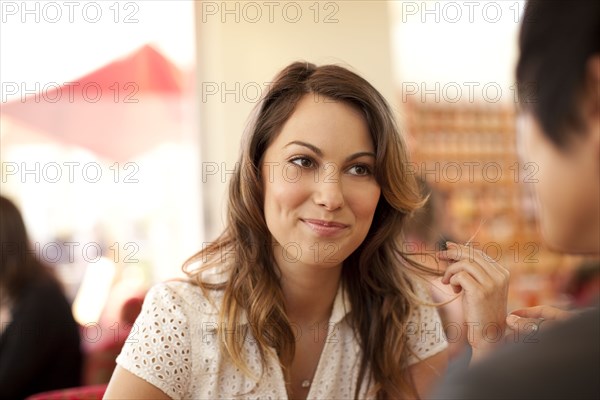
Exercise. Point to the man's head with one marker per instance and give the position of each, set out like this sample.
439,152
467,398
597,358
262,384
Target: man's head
558,74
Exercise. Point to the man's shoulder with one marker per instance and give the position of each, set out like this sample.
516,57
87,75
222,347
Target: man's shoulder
561,362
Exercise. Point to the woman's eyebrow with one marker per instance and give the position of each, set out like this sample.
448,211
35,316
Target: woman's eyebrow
319,152
314,148
360,154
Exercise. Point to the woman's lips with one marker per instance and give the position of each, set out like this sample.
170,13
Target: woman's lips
325,228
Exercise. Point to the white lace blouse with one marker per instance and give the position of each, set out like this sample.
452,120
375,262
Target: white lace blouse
173,346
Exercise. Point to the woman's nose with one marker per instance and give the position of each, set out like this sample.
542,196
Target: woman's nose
328,190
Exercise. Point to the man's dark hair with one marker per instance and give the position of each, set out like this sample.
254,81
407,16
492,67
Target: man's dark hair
557,38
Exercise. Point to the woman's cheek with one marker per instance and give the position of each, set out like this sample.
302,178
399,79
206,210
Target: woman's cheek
289,192
364,200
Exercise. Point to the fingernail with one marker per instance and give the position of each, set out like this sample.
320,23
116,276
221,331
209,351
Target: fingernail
512,319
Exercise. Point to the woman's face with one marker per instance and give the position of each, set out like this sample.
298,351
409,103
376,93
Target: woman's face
567,186
319,185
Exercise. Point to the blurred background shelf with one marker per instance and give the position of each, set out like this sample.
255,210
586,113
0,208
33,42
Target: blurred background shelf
467,154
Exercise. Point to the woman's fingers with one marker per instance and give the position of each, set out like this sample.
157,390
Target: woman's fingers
456,252
485,270
484,286
475,270
463,275
463,280
478,259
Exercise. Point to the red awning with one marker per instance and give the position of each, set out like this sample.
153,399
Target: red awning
118,111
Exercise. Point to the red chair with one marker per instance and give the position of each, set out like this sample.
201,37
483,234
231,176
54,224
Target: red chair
94,392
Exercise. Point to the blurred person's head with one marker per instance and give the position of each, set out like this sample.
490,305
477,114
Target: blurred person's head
337,117
19,265
558,74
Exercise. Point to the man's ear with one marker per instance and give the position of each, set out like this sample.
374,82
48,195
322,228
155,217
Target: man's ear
591,106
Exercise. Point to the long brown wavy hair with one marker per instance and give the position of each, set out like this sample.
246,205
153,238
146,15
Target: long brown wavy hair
376,276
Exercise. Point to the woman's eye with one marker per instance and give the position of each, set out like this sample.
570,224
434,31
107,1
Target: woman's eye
302,162
360,170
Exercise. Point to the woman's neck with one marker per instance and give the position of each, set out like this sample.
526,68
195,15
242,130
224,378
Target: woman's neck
309,291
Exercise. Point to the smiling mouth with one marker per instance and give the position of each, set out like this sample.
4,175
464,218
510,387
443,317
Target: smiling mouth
325,228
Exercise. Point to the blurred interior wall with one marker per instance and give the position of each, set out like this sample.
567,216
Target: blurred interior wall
242,45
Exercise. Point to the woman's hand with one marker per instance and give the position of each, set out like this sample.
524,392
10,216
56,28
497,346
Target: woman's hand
484,286
524,321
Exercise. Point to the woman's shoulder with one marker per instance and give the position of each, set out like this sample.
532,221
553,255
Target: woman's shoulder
184,296
182,288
